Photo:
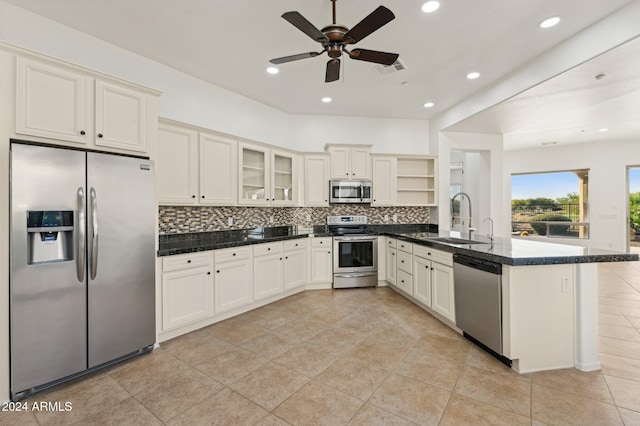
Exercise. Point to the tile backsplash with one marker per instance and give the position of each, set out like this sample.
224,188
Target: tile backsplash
184,219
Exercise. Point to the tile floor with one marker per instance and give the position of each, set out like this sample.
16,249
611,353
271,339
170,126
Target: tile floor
358,357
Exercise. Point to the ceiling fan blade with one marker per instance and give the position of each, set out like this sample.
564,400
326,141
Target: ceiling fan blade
290,58
374,21
374,56
301,23
333,70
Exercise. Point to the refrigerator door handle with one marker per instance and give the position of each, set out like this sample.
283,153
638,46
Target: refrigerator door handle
94,233
80,236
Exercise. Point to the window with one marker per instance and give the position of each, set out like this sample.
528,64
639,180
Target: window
550,204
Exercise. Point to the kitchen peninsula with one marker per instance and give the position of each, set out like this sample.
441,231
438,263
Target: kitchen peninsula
549,291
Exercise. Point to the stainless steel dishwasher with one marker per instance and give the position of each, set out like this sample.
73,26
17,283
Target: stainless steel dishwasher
478,302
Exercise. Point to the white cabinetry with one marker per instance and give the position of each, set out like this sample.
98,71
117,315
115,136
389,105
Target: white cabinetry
350,161
433,280
416,181
404,263
177,165
73,106
233,278
194,167
187,289
218,176
267,270
296,261
267,176
321,260
384,180
390,255
316,180
404,180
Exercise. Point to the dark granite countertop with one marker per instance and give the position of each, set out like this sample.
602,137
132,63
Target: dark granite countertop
508,251
202,241
518,251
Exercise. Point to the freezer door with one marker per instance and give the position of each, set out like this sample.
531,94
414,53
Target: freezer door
121,256
48,287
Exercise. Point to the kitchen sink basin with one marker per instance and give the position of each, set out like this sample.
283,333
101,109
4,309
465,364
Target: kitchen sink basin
456,241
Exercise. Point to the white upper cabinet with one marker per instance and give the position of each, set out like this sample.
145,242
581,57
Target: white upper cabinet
384,173
316,180
350,161
218,173
267,176
51,101
72,106
177,165
194,167
120,117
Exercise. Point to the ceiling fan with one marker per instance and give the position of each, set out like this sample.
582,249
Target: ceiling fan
334,39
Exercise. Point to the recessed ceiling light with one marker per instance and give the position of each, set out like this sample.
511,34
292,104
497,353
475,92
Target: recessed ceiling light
326,99
429,105
549,143
430,6
273,70
549,22
604,129
473,75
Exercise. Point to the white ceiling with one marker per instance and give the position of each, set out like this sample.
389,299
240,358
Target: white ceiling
229,43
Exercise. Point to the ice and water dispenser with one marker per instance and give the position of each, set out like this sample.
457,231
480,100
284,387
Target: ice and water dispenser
50,236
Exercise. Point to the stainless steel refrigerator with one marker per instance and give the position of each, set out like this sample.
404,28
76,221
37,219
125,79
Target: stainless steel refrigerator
82,285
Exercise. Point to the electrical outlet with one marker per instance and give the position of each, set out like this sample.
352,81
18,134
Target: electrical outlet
271,219
395,217
230,221
386,218
308,218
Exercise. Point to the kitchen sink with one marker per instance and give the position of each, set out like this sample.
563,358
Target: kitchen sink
456,241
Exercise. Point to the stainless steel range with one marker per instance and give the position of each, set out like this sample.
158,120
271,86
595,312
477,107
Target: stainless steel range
355,252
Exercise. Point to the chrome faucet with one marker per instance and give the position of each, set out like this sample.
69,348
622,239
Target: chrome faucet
469,200
490,234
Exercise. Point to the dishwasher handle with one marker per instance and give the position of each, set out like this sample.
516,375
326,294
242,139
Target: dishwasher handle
481,264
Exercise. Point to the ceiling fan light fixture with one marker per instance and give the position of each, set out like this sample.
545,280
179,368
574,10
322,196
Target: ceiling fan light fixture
473,75
326,99
273,70
430,6
549,22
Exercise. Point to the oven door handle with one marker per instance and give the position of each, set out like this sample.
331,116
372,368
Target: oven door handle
356,275
355,238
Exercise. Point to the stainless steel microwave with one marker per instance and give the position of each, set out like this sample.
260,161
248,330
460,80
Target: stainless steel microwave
350,191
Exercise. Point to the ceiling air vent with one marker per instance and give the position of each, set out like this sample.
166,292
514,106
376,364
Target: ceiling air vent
388,69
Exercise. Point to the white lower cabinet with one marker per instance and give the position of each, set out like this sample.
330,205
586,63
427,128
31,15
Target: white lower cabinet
422,280
233,278
267,270
390,260
187,289
198,289
443,301
424,275
296,260
321,260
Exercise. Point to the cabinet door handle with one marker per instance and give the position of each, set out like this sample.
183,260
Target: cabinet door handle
189,261
286,257
193,196
269,248
203,196
234,254
209,273
82,132
402,261
280,258
347,174
329,252
100,135
218,271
